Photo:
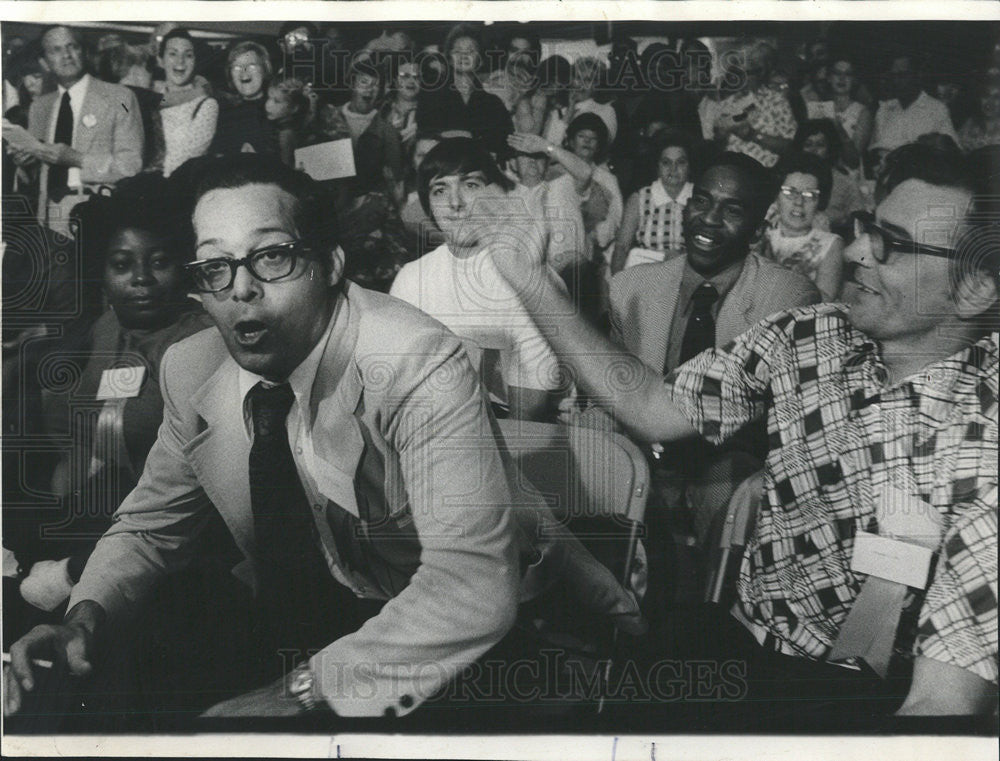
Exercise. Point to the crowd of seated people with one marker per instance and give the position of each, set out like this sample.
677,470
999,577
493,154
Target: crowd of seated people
712,230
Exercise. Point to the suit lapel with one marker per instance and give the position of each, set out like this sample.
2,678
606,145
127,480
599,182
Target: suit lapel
91,118
733,314
219,455
660,316
336,393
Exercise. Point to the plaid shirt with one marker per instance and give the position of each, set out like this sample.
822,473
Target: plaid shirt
838,438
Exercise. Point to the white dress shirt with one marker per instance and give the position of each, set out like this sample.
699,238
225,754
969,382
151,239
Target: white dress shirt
896,126
76,95
300,439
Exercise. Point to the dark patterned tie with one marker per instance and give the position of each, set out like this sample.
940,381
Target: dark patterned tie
700,331
294,577
59,173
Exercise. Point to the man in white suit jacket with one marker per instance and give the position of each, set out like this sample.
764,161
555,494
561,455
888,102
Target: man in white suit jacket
107,132
402,479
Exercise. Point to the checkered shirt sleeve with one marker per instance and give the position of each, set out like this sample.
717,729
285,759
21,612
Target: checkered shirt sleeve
721,390
958,620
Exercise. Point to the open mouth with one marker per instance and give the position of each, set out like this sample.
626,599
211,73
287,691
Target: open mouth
862,287
701,240
249,333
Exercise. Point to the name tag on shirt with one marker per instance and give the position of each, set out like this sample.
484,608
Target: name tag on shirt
891,559
121,383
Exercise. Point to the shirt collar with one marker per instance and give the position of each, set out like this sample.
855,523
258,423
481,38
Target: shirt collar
980,360
722,281
659,196
301,379
78,91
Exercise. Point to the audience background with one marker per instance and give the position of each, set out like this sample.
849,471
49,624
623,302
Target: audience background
799,97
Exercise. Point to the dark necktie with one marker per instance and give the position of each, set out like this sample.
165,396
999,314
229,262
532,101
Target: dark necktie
293,575
59,173
700,331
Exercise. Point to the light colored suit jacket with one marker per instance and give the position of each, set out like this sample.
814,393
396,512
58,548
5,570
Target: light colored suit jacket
644,297
407,381
108,132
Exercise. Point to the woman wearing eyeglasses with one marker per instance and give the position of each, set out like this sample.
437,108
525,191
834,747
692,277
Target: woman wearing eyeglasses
792,241
243,125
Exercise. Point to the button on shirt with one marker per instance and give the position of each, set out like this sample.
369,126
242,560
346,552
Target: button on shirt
300,438
723,283
839,436
76,95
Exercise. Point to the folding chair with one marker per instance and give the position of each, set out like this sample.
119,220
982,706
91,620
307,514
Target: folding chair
733,532
584,473
596,481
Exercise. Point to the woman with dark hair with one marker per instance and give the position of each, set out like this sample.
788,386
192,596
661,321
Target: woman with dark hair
23,71
852,118
135,246
459,184
400,105
188,114
792,241
516,81
652,227
822,139
983,127
243,122
459,104
554,76
588,76
601,200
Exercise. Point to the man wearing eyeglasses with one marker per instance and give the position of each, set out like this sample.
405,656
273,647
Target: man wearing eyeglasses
345,440
867,584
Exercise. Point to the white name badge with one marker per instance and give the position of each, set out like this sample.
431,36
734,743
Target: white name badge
891,559
121,383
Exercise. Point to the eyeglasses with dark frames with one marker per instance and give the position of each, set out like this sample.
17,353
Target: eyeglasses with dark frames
266,264
883,242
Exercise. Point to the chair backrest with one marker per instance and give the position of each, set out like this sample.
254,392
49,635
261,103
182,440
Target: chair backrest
595,482
581,472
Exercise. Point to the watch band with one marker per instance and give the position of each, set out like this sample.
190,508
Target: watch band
301,686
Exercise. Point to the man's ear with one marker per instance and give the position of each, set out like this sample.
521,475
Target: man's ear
44,64
336,265
975,294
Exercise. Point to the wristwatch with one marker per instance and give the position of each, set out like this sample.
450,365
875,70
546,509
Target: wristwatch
301,686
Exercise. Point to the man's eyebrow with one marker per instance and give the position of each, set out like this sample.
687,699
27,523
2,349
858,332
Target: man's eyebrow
476,174
258,231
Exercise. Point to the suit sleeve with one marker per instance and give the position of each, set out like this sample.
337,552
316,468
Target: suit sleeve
154,526
463,597
615,315
124,156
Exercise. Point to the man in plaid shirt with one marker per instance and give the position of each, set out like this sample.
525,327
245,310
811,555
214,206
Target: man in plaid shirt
894,390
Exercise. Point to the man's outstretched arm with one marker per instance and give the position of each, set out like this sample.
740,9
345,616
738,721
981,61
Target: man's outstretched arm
620,381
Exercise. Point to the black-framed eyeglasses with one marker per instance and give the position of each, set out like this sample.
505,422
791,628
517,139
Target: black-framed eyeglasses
883,242
266,264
